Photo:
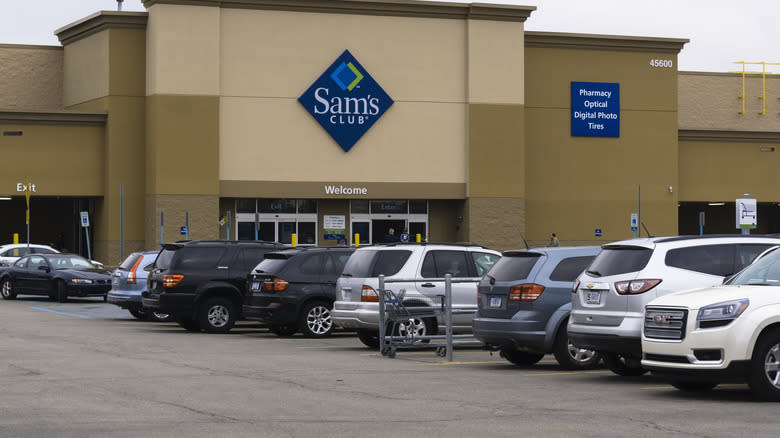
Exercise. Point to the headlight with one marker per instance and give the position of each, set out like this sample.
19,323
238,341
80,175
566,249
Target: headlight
727,310
81,281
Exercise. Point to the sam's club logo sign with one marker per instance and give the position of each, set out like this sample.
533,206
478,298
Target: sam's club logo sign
346,100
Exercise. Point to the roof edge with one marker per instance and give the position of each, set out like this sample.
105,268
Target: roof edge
395,8
556,40
98,22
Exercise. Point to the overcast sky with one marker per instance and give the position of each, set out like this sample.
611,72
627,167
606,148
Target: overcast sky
720,31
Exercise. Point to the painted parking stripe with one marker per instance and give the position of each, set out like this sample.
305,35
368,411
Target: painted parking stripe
59,313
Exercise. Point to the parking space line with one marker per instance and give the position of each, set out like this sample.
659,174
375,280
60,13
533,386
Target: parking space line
59,313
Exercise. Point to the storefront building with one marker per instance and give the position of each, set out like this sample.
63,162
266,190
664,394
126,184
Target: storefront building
328,119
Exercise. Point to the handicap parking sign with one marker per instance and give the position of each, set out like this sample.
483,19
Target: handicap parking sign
598,232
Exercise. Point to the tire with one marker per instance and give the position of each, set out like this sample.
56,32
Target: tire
160,317
521,357
316,320
62,291
417,326
571,357
138,313
283,330
7,289
188,324
686,386
623,366
764,378
370,338
217,315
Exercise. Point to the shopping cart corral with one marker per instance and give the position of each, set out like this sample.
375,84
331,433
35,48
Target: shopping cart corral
400,314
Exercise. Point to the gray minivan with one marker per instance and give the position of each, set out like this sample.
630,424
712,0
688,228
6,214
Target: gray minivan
524,303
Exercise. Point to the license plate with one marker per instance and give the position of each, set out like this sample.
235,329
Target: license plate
347,295
495,301
255,285
592,297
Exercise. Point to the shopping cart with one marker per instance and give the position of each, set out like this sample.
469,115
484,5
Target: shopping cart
404,320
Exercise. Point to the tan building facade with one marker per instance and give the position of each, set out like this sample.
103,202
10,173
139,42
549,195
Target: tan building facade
191,114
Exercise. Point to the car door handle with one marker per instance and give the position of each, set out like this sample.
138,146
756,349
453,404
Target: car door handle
428,285
222,267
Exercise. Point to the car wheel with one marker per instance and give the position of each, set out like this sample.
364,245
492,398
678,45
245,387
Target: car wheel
188,324
413,328
686,386
283,330
7,290
316,320
623,366
370,338
571,357
160,317
138,313
217,315
62,291
521,357
764,379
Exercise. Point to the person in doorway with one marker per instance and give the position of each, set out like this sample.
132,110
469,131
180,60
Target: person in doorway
404,236
390,237
554,240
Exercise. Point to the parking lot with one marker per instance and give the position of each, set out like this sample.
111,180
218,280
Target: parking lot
86,368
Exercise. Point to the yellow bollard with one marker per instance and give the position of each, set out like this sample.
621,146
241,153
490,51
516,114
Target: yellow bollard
294,240
357,239
16,237
418,237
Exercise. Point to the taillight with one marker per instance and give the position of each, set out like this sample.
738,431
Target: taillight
575,286
635,287
525,292
171,280
131,274
275,285
368,294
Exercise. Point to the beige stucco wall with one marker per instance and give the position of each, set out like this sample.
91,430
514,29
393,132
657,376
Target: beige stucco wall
711,101
496,65
419,62
86,69
31,77
182,50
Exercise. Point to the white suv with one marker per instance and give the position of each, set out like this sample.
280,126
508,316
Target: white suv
699,338
422,268
609,298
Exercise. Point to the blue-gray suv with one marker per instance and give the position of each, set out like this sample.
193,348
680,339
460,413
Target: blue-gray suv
524,304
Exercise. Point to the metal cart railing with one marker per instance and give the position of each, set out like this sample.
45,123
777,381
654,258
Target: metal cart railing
396,311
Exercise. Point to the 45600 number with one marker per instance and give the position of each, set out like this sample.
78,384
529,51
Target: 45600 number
662,63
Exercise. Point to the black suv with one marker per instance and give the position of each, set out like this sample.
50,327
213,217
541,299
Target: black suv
294,289
203,283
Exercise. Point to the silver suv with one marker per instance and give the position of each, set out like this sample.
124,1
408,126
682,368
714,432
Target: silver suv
609,298
422,268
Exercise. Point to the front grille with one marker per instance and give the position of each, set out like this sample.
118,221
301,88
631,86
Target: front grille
666,358
665,323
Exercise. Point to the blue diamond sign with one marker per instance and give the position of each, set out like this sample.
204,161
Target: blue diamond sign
346,100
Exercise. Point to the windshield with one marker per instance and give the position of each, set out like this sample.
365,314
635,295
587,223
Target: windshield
765,272
71,262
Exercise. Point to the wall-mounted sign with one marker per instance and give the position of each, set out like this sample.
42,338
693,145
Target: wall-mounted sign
22,187
334,227
595,109
346,100
341,190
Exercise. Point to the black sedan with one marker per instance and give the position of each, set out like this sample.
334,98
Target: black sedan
58,276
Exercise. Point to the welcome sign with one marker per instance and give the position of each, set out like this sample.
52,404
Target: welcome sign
595,109
346,100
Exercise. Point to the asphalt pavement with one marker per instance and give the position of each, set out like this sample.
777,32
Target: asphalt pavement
86,368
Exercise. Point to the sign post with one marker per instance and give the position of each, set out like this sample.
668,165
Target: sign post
85,225
27,213
747,214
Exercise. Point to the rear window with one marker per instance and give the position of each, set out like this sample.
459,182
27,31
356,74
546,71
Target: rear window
615,260
372,263
271,264
129,262
163,261
514,267
571,268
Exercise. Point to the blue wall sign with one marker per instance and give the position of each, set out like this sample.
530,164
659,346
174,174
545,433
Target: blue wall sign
183,230
598,232
595,109
346,100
